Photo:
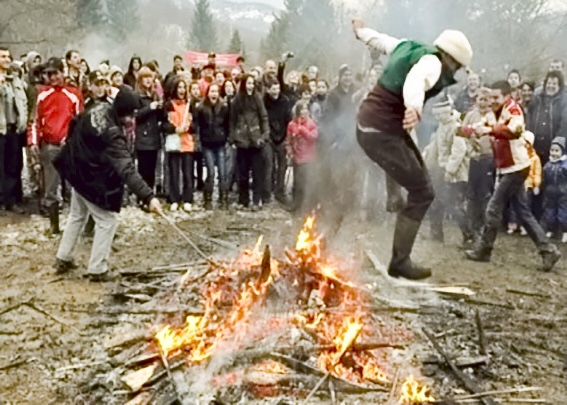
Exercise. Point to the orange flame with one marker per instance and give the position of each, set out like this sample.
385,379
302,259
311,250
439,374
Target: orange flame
414,392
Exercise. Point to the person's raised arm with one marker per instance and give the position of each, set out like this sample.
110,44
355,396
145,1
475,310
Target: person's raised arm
377,41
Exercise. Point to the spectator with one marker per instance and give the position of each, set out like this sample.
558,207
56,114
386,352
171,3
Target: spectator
57,105
466,99
96,163
556,65
85,68
13,122
481,167
313,73
555,196
75,76
302,148
116,77
534,180
227,91
196,97
527,89
207,77
249,132
131,76
547,115
220,78
180,144
149,116
515,79
513,164
370,81
213,125
437,154
279,116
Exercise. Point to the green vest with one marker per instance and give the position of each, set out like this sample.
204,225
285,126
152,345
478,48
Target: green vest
403,59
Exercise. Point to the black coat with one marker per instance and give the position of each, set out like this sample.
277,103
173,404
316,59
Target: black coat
148,124
212,124
248,121
96,162
547,119
279,116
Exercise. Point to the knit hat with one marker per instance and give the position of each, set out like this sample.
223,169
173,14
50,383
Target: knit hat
559,141
529,137
113,70
456,44
96,76
125,102
343,69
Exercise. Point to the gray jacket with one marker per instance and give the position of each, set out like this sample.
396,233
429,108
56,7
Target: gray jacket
20,102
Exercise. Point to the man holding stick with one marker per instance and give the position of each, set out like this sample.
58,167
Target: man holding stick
414,73
96,162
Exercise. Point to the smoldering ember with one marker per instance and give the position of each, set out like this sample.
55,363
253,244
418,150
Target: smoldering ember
283,202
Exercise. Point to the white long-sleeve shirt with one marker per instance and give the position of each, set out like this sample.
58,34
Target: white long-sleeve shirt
421,78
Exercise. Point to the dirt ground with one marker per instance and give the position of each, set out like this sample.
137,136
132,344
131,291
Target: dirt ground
51,346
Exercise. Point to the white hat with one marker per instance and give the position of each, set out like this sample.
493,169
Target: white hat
456,44
529,137
113,70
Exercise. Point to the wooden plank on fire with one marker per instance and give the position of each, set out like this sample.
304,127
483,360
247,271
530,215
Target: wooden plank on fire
135,380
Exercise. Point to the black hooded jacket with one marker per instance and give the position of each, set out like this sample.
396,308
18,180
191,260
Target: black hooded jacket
279,116
96,162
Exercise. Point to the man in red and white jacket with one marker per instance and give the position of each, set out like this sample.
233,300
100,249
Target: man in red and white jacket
512,163
57,105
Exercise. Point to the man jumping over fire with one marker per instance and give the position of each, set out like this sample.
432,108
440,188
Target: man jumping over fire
414,73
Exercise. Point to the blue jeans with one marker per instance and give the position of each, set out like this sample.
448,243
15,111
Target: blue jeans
215,157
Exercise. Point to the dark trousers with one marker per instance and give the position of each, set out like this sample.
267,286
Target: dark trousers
402,161
198,165
480,188
302,192
511,188
276,166
554,218
215,157
147,160
11,160
250,159
180,172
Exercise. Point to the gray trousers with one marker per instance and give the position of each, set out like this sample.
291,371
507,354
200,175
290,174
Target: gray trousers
105,228
51,179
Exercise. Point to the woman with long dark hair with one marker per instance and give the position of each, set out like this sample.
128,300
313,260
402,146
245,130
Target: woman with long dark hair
249,132
131,77
212,125
180,144
149,116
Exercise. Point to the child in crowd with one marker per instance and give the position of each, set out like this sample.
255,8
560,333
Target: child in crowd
301,144
533,182
436,156
555,197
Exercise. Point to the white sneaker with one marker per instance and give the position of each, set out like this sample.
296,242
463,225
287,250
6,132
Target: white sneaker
549,234
187,207
174,207
564,238
523,231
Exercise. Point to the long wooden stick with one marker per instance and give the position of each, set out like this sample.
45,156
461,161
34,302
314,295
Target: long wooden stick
184,236
500,392
168,369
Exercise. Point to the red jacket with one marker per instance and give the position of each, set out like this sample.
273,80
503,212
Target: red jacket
56,107
302,140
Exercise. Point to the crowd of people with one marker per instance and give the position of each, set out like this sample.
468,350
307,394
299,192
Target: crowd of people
244,130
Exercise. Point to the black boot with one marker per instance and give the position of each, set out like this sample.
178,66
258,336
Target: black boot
479,254
208,196
549,258
54,219
404,238
395,201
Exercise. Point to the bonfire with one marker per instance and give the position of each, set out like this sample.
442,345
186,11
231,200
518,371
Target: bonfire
242,301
